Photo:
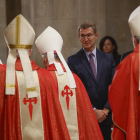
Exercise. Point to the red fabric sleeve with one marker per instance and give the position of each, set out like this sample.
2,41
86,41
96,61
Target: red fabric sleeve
124,98
54,123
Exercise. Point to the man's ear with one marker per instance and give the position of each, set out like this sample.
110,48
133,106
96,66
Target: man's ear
30,52
96,35
136,41
79,37
44,59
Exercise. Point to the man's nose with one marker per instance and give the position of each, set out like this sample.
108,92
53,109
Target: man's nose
86,38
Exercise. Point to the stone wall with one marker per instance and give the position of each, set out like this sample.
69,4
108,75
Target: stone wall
110,16
3,48
117,14
65,17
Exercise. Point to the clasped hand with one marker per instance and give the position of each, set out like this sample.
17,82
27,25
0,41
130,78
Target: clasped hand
101,114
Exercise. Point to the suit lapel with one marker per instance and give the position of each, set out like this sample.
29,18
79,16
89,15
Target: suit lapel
85,62
99,64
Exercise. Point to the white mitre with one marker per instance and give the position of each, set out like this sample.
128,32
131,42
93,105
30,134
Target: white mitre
19,36
50,42
1,62
134,22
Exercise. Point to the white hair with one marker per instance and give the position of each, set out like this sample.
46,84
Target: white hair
138,38
17,54
56,57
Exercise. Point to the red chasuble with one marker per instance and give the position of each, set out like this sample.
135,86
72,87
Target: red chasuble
12,115
2,88
124,99
2,67
87,123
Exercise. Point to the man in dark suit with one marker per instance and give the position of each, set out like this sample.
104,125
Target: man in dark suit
127,53
124,55
96,69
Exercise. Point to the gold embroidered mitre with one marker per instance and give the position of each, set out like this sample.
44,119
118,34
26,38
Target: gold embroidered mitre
19,36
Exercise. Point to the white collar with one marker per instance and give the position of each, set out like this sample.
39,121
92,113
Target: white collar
87,52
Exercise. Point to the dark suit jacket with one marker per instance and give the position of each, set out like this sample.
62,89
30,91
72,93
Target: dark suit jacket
124,55
97,90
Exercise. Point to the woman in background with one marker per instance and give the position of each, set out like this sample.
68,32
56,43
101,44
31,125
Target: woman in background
109,45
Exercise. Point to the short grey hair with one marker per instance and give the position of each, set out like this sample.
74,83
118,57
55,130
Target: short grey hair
17,53
86,25
56,57
138,38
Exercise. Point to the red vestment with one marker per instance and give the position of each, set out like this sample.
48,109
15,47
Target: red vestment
2,88
87,122
124,98
2,67
54,125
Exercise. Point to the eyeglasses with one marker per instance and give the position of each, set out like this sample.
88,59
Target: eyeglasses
89,36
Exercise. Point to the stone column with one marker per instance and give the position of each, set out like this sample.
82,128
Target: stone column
3,48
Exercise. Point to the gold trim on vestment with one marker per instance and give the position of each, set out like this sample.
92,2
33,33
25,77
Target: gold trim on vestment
31,89
12,46
17,30
117,127
10,85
